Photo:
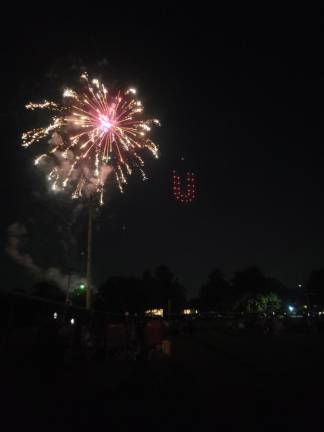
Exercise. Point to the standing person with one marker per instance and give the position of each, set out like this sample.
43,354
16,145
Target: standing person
153,335
116,340
140,330
66,338
276,326
133,341
87,341
77,342
166,342
265,325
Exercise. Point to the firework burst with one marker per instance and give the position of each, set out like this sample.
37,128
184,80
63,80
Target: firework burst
94,131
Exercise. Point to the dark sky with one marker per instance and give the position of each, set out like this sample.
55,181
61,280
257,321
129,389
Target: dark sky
238,96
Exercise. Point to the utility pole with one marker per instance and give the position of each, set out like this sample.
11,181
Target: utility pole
306,295
89,257
67,297
308,299
169,310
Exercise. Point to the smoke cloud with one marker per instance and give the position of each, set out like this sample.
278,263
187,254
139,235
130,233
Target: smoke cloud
16,236
64,163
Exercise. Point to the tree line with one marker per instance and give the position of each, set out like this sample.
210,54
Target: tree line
248,290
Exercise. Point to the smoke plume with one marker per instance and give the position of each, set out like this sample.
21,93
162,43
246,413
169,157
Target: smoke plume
16,236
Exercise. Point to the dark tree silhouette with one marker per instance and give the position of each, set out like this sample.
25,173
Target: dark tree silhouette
168,288
257,293
48,290
315,287
276,286
149,295
250,281
264,303
120,294
286,296
216,294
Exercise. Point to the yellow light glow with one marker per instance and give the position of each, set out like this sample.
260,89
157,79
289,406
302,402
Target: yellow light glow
190,311
155,312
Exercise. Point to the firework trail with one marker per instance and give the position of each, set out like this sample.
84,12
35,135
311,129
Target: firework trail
94,132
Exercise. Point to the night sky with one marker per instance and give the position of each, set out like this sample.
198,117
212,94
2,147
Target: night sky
238,97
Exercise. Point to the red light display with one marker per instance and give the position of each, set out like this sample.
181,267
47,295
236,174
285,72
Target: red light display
184,195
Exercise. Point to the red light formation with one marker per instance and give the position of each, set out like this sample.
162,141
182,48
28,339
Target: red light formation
188,195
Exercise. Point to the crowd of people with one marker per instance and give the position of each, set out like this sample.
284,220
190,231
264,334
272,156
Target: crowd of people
131,340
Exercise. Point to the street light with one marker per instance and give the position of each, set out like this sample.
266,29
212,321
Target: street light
308,306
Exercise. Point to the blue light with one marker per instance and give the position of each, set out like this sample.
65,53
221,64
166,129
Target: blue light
291,308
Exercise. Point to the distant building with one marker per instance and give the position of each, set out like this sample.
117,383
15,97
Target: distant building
155,312
190,312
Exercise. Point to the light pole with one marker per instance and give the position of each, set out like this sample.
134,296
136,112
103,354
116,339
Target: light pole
307,296
89,257
68,288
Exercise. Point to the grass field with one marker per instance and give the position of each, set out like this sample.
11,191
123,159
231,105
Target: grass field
214,379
